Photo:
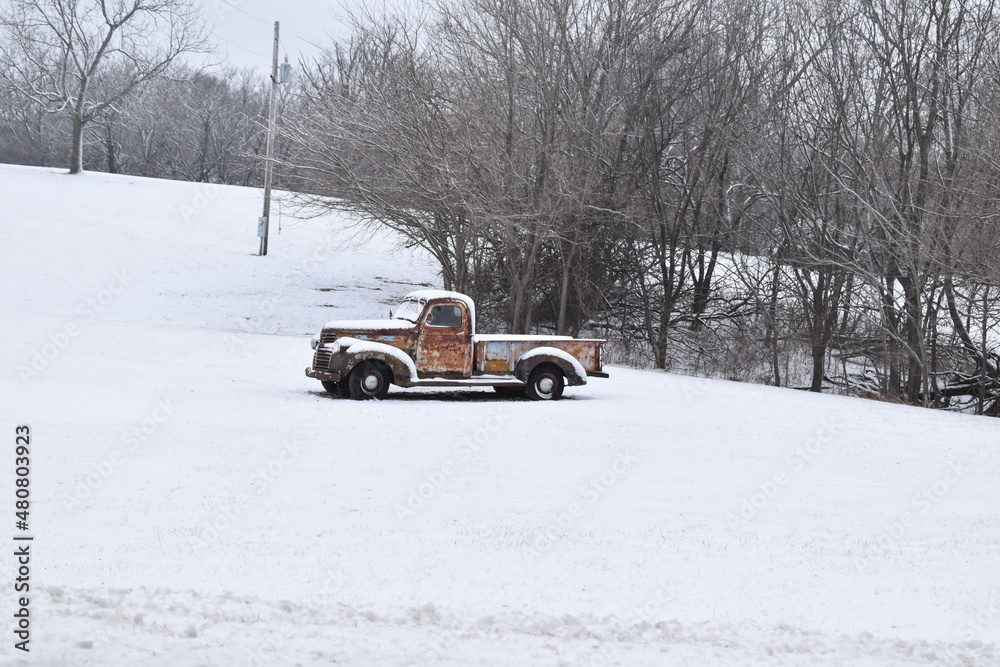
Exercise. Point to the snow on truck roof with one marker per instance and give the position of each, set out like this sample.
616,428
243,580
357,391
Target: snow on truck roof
429,294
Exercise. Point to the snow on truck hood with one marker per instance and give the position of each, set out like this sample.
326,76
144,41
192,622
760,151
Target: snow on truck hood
369,325
355,346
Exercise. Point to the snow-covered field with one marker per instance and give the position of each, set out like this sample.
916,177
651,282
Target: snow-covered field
198,501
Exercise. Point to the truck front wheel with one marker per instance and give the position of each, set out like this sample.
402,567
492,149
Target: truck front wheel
335,388
546,383
369,380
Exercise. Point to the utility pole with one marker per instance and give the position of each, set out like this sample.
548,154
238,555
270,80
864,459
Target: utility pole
272,112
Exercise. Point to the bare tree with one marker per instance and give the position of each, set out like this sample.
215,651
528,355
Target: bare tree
921,66
81,57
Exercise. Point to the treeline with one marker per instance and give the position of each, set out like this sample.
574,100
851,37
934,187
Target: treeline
800,193
186,125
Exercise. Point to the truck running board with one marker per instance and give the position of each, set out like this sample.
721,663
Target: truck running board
478,381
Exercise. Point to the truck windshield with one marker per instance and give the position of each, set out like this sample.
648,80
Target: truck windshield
410,310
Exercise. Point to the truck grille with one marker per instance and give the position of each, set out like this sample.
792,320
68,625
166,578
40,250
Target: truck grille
321,360
327,337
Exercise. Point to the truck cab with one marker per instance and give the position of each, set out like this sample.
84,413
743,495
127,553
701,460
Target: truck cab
444,340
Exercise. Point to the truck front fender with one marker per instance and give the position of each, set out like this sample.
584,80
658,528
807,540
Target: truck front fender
349,352
570,366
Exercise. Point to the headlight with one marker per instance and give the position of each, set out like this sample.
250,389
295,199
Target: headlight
314,341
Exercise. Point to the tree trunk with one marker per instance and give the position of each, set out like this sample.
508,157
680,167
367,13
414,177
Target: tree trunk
891,327
109,147
819,367
914,340
660,349
981,408
567,269
772,325
76,147
703,283
892,388
563,299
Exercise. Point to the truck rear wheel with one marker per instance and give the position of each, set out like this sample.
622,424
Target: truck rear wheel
545,383
369,380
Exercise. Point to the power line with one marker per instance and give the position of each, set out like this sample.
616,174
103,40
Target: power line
259,55
301,39
248,14
269,24
309,42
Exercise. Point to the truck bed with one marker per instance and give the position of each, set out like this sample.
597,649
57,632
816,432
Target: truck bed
498,353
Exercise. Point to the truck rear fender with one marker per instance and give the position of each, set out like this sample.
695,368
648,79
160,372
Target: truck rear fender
571,367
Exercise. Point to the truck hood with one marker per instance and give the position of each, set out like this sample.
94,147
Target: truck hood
369,326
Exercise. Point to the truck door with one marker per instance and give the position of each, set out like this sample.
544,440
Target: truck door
444,342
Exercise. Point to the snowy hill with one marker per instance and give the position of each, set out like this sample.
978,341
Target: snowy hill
197,500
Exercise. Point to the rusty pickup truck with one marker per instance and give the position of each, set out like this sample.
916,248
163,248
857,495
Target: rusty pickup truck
431,341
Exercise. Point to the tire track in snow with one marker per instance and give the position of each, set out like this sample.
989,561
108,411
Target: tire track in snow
84,626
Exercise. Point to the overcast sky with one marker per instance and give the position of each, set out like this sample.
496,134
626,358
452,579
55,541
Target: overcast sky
244,29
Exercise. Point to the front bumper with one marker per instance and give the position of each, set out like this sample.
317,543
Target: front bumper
326,376
321,365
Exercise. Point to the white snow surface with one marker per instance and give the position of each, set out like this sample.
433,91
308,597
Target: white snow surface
196,500
556,352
